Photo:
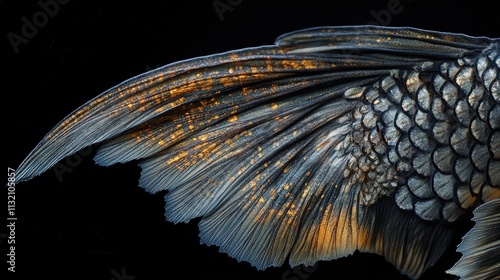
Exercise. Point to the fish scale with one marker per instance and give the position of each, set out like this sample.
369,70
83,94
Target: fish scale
440,130
309,149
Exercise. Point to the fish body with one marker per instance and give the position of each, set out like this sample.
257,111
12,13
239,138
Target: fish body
332,140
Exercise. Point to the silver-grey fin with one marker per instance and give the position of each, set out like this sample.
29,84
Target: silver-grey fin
396,40
480,247
402,238
295,149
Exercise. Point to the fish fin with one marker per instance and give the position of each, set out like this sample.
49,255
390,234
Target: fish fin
264,144
411,244
480,247
297,54
407,42
252,76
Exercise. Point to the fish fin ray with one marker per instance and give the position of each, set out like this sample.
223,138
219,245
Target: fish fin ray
259,143
402,42
164,90
480,247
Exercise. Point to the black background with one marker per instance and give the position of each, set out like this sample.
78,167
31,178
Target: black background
94,222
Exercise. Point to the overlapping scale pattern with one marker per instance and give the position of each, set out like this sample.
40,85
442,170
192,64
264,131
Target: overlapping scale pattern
442,130
439,130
